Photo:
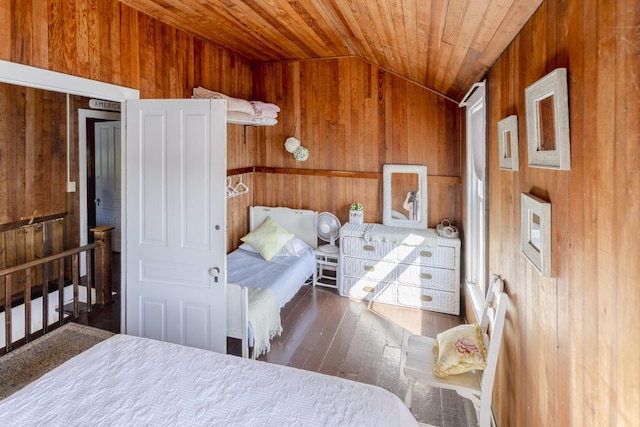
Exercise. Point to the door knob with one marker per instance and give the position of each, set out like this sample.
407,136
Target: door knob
213,272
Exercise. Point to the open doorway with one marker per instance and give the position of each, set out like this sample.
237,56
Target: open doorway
25,75
100,152
100,173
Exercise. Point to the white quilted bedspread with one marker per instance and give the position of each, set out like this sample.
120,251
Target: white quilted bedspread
128,380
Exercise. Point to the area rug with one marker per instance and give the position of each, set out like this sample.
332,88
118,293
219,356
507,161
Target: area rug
29,362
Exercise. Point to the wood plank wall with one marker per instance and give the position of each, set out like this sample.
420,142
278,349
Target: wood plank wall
27,241
33,156
571,355
101,40
354,117
33,160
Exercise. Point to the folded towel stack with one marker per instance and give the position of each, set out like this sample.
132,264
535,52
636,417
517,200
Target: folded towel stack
240,109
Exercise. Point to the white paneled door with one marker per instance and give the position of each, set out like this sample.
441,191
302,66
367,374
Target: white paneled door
175,228
107,178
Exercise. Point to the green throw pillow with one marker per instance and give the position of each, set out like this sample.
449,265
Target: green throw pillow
268,238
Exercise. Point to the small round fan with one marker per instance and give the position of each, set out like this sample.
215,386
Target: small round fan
328,230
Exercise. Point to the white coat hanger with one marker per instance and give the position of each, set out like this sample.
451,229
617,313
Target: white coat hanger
240,187
230,189
237,189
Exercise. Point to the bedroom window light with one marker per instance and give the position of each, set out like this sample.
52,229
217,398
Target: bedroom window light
476,246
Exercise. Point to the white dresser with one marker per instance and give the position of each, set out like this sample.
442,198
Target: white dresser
416,274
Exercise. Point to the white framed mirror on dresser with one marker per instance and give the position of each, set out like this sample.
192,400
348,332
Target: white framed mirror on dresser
404,196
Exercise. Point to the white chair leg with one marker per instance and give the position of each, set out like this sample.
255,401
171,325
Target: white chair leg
484,414
409,396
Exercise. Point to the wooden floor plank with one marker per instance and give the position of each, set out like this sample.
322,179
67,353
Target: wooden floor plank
371,360
365,342
331,317
309,344
342,340
355,358
389,376
302,316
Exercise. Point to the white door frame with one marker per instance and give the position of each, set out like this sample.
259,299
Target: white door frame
83,115
24,75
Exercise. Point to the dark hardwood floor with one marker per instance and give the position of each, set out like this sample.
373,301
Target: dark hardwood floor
352,339
107,317
365,342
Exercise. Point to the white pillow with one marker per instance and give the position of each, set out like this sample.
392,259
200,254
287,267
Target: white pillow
459,350
268,238
294,247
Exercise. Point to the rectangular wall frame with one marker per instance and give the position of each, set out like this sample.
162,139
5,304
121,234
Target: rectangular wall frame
535,232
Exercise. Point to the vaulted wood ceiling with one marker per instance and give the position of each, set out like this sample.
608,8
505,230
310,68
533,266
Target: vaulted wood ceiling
445,45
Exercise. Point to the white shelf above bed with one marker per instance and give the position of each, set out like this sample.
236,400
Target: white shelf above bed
248,123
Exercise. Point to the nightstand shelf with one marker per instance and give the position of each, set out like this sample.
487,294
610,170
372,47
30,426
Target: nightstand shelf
326,266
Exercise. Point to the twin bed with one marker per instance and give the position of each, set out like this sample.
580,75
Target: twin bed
252,316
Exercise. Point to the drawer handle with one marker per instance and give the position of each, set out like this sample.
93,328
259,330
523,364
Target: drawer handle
426,253
426,298
369,268
369,248
425,276
368,289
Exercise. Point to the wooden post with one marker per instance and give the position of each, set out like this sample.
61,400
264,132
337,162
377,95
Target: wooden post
7,313
102,235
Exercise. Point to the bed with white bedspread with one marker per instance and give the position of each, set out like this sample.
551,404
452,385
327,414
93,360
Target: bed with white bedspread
127,380
252,321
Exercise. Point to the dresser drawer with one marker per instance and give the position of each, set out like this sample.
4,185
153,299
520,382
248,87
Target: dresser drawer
392,271
368,269
427,299
368,290
426,277
358,247
435,256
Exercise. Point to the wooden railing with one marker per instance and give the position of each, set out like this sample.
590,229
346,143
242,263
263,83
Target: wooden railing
27,240
98,276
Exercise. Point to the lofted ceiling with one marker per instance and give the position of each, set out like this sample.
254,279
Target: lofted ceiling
444,45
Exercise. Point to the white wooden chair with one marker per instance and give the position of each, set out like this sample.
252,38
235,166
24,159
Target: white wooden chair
476,386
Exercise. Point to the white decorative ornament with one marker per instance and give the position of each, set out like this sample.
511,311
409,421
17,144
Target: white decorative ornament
291,144
301,154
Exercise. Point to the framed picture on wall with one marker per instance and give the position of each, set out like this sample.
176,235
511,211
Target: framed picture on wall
547,105
535,232
508,143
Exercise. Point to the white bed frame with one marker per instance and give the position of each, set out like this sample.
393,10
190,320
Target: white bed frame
302,223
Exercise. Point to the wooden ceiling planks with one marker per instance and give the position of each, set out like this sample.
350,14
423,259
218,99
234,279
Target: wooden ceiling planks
334,25
444,45
456,10
471,21
437,18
